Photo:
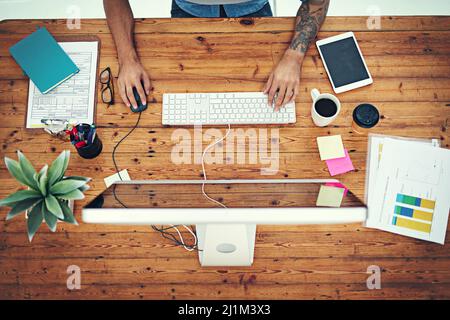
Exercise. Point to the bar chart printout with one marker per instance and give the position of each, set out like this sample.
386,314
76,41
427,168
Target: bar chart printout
413,213
410,196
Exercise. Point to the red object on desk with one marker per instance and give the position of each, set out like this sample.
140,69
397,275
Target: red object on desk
80,144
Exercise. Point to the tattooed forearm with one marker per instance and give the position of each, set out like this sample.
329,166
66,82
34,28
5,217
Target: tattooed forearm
310,17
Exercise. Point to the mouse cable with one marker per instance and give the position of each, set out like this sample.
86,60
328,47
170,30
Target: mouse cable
118,144
204,170
161,230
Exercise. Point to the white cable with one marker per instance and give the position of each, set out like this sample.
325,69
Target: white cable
204,193
203,167
192,248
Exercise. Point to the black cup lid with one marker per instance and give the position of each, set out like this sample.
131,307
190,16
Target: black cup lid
366,115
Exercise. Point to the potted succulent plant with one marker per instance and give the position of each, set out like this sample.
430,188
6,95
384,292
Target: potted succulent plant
48,195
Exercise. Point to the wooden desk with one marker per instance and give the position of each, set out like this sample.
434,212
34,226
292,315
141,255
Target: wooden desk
410,63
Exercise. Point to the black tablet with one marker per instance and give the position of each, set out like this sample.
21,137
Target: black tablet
344,62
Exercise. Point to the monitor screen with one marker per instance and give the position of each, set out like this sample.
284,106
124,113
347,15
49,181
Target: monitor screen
250,194
344,62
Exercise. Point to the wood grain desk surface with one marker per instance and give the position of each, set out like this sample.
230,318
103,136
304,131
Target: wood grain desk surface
409,59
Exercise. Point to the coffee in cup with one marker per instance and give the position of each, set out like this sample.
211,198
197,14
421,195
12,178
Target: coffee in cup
325,108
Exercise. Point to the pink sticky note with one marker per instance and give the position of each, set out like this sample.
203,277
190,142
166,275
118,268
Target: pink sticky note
337,185
340,165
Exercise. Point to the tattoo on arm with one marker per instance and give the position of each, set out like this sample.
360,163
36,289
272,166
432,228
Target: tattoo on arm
310,17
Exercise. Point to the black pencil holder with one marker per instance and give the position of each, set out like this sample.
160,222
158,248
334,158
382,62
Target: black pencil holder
92,150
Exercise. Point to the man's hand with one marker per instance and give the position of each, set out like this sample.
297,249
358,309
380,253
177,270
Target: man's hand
284,79
132,74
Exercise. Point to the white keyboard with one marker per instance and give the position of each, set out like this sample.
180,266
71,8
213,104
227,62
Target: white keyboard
223,108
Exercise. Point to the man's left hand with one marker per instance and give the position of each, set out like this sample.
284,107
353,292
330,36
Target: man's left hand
284,79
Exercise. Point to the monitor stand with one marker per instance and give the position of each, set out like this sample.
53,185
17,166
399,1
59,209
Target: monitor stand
226,245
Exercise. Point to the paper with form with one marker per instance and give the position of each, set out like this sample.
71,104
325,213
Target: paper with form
72,100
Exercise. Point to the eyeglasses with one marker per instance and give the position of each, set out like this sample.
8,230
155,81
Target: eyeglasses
107,86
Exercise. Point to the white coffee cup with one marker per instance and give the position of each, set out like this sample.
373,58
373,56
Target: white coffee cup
319,120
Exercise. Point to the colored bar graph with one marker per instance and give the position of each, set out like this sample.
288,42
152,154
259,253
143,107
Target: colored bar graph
414,213
411,224
409,210
415,201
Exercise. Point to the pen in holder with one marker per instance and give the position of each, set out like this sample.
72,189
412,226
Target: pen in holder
85,139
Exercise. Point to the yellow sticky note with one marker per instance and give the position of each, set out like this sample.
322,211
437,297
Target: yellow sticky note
330,147
330,196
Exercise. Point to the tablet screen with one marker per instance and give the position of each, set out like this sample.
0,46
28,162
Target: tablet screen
344,62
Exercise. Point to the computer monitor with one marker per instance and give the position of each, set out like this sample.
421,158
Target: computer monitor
226,236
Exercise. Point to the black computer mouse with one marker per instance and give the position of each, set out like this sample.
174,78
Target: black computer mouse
141,107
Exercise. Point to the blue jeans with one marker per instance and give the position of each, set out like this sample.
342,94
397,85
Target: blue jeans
177,12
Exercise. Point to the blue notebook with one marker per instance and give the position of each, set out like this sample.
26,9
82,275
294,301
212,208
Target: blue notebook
43,60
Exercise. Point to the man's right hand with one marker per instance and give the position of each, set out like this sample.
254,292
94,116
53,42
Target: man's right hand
132,74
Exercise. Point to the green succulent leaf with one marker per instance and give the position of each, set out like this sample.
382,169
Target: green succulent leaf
53,206
15,170
42,180
72,195
56,169
34,220
36,178
43,171
49,218
84,188
68,215
77,178
21,206
27,170
21,195
65,164
65,186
